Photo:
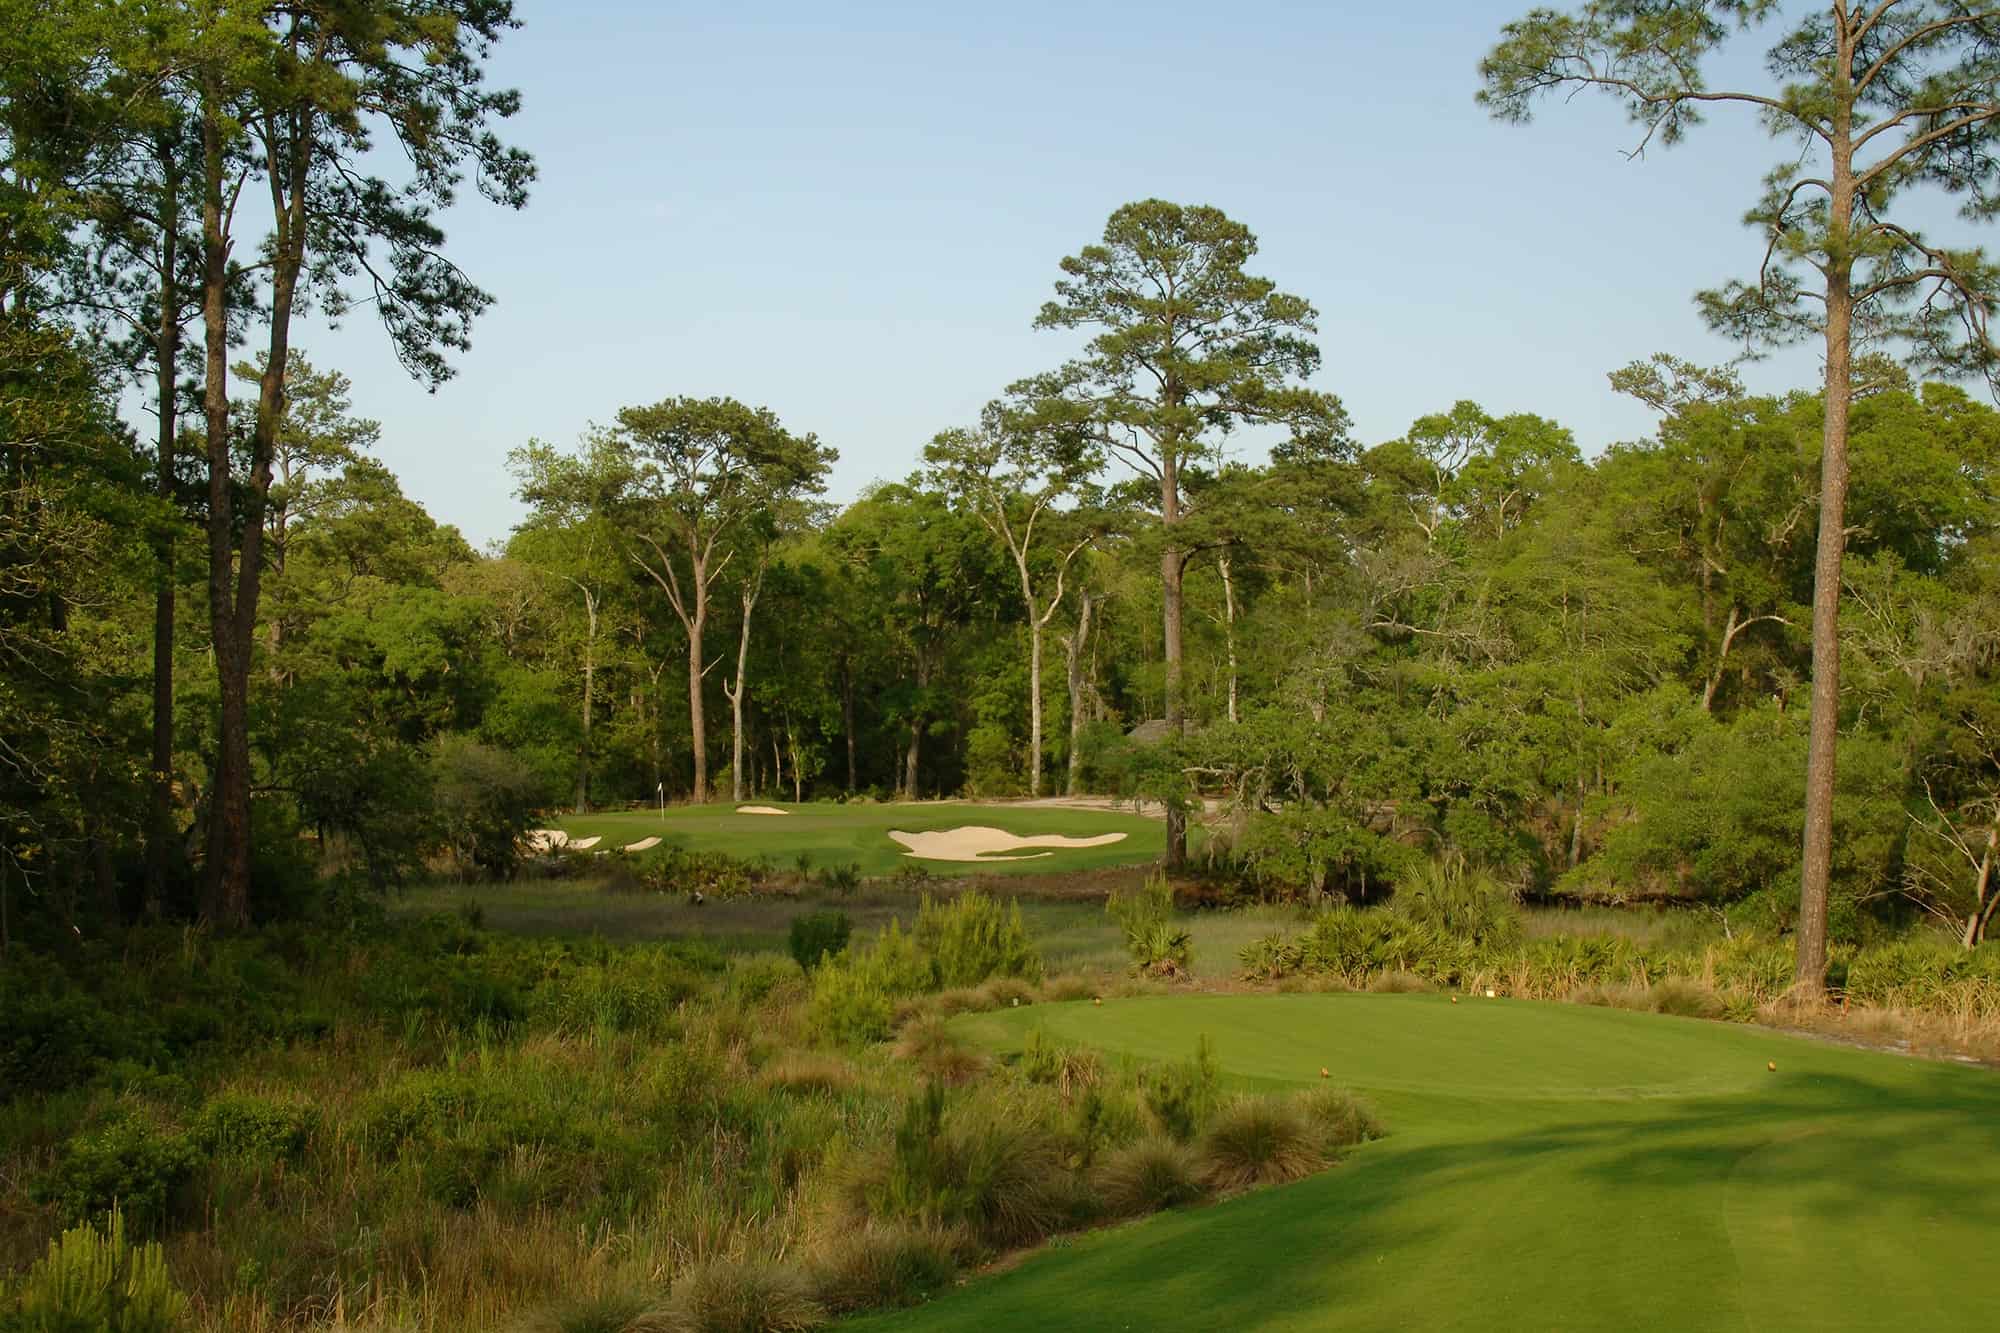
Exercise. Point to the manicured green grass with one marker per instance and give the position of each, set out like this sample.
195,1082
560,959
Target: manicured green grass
1549,1166
834,835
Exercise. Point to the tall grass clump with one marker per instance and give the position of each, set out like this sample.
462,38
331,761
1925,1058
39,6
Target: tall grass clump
1148,1176
1340,1119
737,1296
878,1266
1258,1141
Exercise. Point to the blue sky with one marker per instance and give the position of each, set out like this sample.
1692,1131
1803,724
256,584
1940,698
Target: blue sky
851,213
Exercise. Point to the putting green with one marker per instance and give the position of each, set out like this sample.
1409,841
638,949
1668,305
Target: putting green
1549,1167
827,834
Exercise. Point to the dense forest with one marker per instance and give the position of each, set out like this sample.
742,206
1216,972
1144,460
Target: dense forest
1163,568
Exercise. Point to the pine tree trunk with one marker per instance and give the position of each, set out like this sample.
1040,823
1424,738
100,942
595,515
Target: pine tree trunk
161,834
1229,628
1170,600
1810,977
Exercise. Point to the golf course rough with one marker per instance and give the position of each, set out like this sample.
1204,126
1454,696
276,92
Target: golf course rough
1548,1167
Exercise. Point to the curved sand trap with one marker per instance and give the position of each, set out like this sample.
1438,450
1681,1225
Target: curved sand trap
546,839
979,843
643,845
585,844
760,810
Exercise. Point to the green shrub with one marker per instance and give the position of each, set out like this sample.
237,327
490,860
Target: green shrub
93,1281
127,1165
855,994
1462,902
843,879
1180,1096
933,1048
484,801
635,989
1340,1119
1259,1141
52,1035
1145,1177
729,1296
1145,919
242,1124
816,935
879,1266
972,938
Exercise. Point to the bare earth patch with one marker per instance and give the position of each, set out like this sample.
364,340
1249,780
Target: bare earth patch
978,843
760,810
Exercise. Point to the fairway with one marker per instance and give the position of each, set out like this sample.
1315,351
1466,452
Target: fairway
1549,1167
830,834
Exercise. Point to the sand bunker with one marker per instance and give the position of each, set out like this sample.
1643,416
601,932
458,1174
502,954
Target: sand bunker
643,845
542,840
584,844
760,810
979,843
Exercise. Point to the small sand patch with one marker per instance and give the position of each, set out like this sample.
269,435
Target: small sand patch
643,845
542,840
760,810
979,843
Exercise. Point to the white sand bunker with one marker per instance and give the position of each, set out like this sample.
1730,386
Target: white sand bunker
542,840
760,810
643,845
584,844
979,843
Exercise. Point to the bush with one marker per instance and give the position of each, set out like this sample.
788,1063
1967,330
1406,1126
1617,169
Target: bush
805,1074
1259,1141
1066,1068
633,990
129,1166
928,1044
1145,918
484,800
1145,1177
1340,1119
816,935
1180,1096
855,994
875,1266
95,1282
728,1296
1463,903
1688,999
972,938
608,1312
842,879
244,1125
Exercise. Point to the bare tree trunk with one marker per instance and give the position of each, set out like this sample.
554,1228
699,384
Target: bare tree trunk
751,588
1229,627
1985,896
847,722
697,718
1074,644
589,701
1810,978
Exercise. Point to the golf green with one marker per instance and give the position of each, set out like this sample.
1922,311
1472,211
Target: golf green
1549,1167
828,834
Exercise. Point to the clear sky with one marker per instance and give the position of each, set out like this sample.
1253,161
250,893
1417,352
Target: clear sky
850,213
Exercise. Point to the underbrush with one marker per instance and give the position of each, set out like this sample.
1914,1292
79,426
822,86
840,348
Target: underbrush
434,1127
1924,988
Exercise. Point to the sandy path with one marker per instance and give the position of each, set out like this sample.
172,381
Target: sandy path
979,843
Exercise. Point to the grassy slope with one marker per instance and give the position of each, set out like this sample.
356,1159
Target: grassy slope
834,835
1551,1166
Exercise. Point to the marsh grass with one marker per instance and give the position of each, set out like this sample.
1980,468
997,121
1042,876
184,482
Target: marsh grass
1258,1141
